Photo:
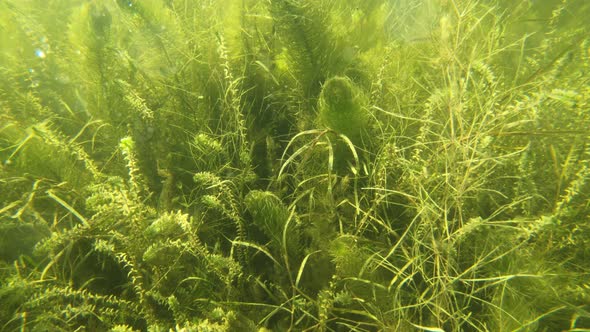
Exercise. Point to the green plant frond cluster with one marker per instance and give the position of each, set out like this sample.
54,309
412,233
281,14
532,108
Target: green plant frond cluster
341,108
294,165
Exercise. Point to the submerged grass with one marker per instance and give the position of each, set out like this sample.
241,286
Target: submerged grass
294,165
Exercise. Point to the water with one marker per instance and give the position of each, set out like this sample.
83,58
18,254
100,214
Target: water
294,165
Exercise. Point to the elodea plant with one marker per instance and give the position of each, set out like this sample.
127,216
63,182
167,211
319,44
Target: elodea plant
340,107
294,165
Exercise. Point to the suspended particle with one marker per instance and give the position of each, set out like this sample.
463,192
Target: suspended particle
40,54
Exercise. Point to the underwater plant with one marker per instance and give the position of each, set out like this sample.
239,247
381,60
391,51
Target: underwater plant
340,107
294,165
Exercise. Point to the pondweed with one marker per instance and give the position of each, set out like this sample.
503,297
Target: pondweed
294,165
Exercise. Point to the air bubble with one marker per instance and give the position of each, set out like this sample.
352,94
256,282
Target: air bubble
40,54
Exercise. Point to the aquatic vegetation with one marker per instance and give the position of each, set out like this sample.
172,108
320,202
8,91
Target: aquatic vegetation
341,108
228,165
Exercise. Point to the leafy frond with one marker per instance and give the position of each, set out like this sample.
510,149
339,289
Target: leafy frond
243,165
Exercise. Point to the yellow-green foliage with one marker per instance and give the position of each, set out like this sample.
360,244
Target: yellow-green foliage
341,108
273,218
294,165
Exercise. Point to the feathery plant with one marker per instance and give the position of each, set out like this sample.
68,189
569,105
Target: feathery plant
294,165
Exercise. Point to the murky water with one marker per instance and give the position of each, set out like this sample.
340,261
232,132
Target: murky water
294,165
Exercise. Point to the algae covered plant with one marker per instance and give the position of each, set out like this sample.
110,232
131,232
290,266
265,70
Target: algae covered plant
294,165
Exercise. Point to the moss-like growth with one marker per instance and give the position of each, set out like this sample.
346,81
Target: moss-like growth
167,226
301,165
341,108
271,216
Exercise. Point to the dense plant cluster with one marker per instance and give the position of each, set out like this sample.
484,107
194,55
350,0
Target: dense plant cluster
330,165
